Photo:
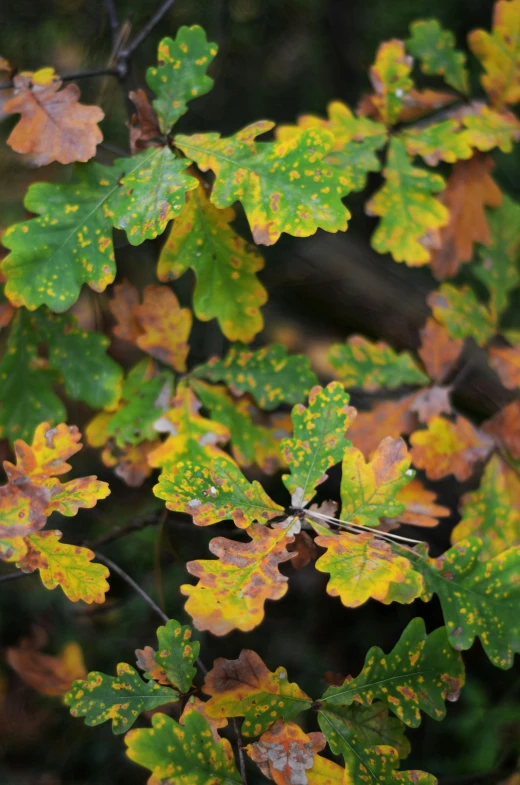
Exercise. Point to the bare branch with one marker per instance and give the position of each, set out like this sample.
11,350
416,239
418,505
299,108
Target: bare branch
241,757
135,586
147,29
73,77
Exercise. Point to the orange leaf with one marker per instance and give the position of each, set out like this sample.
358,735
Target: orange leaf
469,190
438,351
123,305
420,508
505,361
505,428
144,126
166,326
45,673
285,752
388,418
447,447
53,126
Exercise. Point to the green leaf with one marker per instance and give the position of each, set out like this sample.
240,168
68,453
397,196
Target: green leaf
487,128
461,313
497,267
442,141
145,397
407,208
118,698
319,440
390,77
177,653
368,490
270,375
215,493
435,48
68,244
185,753
367,765
181,73
225,267
75,357
419,674
478,598
372,725
251,442
371,366
284,186
152,194
490,512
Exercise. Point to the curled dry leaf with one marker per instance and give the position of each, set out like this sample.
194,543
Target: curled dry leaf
438,351
53,126
470,189
505,428
285,753
144,125
245,687
45,673
447,447
431,402
304,549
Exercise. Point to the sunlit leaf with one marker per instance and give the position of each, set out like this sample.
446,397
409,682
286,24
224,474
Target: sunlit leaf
419,506
487,129
447,447
285,752
389,418
166,326
390,77
438,142
245,687
499,53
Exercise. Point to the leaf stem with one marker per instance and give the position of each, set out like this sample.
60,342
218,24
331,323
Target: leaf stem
241,757
72,77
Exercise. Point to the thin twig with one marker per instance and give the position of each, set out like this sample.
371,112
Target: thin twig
112,19
121,531
241,757
71,77
135,586
13,576
147,29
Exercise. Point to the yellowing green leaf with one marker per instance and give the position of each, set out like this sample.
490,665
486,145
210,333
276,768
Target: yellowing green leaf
442,141
224,264
435,48
447,447
269,374
363,567
173,662
246,688
166,326
371,366
68,566
368,490
152,194
119,698
181,73
188,752
214,493
284,186
407,208
487,128
460,312
390,77
419,674
233,588
489,512
319,440
499,53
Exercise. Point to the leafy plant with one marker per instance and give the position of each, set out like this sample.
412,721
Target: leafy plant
205,421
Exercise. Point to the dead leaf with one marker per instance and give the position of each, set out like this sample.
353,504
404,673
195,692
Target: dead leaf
447,447
438,351
305,548
420,508
505,429
144,125
389,418
53,126
469,190
122,306
45,673
285,753
505,361
431,402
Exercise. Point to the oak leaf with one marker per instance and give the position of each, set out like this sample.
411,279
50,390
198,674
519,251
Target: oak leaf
388,418
447,447
53,125
438,351
419,506
486,128
505,361
173,662
407,207
165,326
285,753
371,366
246,688
499,53
144,125
504,427
390,77
233,588
50,675
461,313
435,48
224,264
443,141
431,402
368,490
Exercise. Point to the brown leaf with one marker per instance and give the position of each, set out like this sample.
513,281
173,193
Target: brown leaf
420,509
389,418
122,306
470,189
505,361
438,351
505,428
145,661
144,126
53,126
447,447
305,548
431,402
45,673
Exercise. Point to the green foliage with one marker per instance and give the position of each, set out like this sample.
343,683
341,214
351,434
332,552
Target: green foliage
435,48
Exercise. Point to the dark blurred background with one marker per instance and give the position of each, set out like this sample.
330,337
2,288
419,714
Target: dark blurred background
278,59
